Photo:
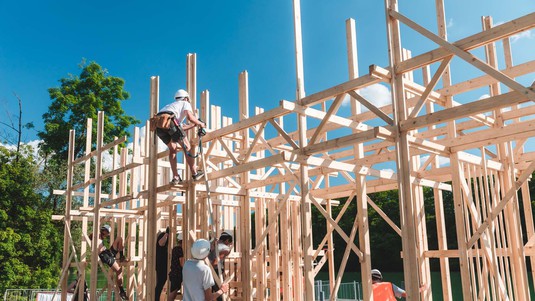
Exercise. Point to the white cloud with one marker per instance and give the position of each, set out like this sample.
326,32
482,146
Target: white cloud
377,94
523,35
34,146
442,161
483,96
450,23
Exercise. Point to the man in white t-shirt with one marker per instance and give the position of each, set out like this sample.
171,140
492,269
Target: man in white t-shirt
197,277
175,136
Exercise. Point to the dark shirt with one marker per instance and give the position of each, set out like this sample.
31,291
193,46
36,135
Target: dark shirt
161,253
176,268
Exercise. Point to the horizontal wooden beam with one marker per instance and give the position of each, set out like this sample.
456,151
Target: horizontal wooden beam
479,106
354,84
474,41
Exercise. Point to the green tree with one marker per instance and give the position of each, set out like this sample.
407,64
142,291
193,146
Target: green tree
79,98
30,246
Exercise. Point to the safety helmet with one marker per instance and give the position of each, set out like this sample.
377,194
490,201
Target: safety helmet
181,94
376,274
179,236
200,249
105,228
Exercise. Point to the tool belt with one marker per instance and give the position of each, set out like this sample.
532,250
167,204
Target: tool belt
167,122
162,120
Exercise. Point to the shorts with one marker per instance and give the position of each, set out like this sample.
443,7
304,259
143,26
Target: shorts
108,256
174,133
176,283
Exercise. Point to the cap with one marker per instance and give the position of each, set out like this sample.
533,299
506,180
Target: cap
200,249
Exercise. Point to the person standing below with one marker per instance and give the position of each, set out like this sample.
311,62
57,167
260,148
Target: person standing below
218,262
198,279
385,291
177,262
161,262
107,256
180,109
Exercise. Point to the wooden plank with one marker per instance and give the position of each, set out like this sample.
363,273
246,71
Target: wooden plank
354,84
344,141
468,57
332,110
96,214
501,204
474,41
245,218
377,111
430,86
152,194
479,106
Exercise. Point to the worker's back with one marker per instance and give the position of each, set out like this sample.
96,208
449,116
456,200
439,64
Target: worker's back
382,291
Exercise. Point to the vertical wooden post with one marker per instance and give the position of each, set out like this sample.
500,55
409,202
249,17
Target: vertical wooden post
360,180
87,176
439,213
245,233
306,232
153,196
191,193
96,201
455,166
67,218
403,158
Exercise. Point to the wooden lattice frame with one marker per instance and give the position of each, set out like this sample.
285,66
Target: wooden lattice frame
257,164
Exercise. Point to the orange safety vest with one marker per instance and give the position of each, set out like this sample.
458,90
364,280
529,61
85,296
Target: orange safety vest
382,291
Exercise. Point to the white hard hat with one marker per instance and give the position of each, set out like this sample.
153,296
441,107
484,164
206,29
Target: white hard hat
200,249
377,274
181,94
105,228
179,236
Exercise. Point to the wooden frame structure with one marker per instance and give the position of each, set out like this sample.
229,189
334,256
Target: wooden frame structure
278,163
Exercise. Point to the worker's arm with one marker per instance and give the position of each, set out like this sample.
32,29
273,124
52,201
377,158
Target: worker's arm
163,240
194,120
209,296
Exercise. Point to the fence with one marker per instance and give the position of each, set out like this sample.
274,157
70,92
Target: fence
349,291
43,295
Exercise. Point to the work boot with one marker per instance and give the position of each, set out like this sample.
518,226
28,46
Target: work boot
176,180
122,293
197,175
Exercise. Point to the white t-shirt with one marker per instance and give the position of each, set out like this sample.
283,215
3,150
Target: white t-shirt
197,277
178,108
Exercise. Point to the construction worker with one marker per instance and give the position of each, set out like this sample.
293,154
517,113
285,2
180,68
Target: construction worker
161,262
198,280
177,262
385,291
218,262
175,135
107,256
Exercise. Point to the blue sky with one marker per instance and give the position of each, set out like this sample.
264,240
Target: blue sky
43,41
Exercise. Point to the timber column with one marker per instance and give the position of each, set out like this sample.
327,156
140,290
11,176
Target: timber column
411,258
153,195
306,217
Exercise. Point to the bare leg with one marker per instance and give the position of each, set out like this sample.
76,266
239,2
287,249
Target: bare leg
189,160
172,295
119,271
172,158
118,244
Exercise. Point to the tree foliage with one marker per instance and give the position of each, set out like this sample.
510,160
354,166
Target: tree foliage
30,246
79,98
